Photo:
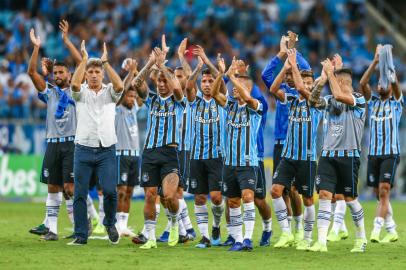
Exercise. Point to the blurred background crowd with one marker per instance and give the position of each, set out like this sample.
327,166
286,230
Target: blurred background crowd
248,29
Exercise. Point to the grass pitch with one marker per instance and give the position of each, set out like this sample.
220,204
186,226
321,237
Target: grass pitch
21,250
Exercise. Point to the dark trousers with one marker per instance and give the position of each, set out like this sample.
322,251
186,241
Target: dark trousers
102,161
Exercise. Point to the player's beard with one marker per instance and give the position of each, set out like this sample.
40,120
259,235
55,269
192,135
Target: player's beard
60,83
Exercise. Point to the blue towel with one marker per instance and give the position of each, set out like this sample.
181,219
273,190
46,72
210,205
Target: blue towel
386,67
63,103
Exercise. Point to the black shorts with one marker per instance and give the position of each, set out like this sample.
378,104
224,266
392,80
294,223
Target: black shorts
128,172
205,175
382,169
303,172
338,175
260,189
57,166
277,155
237,178
184,164
157,163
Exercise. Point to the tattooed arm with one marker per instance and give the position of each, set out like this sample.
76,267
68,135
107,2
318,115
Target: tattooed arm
191,82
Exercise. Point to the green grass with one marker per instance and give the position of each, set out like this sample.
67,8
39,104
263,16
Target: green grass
21,250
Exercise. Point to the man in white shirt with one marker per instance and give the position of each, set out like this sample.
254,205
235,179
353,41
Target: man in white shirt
95,140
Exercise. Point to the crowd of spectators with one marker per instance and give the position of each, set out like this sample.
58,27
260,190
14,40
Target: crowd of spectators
248,29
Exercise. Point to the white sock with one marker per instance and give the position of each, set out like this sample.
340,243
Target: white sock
202,220
184,214
174,217
217,211
378,224
249,219
357,214
45,221
281,214
150,229
390,224
91,211
168,224
124,220
119,226
236,224
267,225
339,215
69,210
323,220
101,209
182,230
298,222
309,219
289,218
53,203
157,211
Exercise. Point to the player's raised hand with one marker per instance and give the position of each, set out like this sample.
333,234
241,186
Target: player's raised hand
64,27
36,40
220,63
232,70
200,62
199,51
159,57
85,56
105,55
287,64
182,47
292,57
328,66
292,39
165,48
46,66
130,65
337,61
282,45
376,56
242,68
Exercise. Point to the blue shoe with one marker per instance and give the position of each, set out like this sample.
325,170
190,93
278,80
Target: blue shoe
191,234
164,237
265,239
236,247
204,243
215,236
247,244
229,242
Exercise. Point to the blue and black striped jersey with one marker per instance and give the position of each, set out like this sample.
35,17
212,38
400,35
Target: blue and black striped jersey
302,129
384,118
164,121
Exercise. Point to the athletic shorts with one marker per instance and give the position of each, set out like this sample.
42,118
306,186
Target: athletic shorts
382,169
157,163
260,189
128,172
338,175
303,172
184,164
205,175
237,178
57,166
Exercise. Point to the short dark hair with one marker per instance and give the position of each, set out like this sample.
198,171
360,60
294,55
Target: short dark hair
307,73
94,62
340,71
206,71
243,76
60,64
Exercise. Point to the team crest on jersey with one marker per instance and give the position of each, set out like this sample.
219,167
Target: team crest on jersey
72,175
371,178
46,172
124,177
318,180
145,177
200,109
213,108
193,183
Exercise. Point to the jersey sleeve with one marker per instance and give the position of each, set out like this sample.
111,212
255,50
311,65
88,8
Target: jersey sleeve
44,94
77,96
114,95
259,109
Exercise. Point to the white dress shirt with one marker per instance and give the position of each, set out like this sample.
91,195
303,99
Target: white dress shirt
95,114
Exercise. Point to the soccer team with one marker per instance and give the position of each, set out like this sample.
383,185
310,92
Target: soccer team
208,139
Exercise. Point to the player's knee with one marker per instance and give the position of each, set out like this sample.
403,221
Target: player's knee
308,201
150,195
121,195
384,191
276,191
200,199
247,196
216,198
234,202
325,195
